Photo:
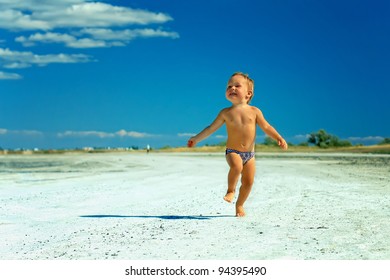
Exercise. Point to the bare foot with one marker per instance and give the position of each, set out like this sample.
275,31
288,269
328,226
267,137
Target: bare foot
229,197
240,211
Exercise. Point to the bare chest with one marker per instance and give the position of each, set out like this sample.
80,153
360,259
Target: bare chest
240,118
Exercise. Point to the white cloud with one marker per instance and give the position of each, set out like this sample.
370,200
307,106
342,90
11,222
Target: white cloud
4,131
127,34
9,76
371,139
86,134
100,134
17,65
186,134
49,37
301,137
36,4
97,14
88,43
68,40
13,19
91,24
133,134
13,59
48,15
148,32
101,37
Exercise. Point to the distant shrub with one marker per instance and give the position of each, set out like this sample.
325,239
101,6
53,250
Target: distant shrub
166,147
268,141
343,143
220,144
324,140
303,144
384,141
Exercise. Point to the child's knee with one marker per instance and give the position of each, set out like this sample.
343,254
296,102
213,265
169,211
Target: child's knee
236,168
247,181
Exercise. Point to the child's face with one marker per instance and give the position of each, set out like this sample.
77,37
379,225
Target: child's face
237,90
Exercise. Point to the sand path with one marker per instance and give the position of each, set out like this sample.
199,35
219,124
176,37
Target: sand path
170,207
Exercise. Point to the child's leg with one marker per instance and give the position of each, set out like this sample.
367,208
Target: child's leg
235,163
247,178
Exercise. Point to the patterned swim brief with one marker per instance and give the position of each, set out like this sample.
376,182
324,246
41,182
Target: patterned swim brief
245,156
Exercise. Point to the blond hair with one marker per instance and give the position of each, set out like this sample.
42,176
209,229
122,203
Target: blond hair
251,83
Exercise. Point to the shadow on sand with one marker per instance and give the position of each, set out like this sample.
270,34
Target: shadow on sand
164,217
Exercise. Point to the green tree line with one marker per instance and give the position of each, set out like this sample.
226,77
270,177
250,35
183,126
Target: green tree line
322,139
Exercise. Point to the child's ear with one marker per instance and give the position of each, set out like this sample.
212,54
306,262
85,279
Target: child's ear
249,96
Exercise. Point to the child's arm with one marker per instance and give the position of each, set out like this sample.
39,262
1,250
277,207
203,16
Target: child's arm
269,130
217,123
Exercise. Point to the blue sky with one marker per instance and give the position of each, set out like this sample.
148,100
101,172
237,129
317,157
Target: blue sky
77,73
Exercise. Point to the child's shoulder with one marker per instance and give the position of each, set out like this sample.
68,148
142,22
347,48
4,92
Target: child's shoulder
224,112
253,108
227,109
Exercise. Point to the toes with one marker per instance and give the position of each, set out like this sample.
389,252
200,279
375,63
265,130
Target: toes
240,212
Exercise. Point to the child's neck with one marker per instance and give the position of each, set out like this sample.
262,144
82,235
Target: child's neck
244,104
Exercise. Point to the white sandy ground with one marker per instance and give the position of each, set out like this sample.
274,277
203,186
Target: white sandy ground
170,207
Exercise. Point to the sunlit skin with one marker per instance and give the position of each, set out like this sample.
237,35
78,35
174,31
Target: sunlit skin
240,120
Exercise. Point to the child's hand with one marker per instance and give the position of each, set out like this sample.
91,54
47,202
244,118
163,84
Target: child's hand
283,144
190,143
